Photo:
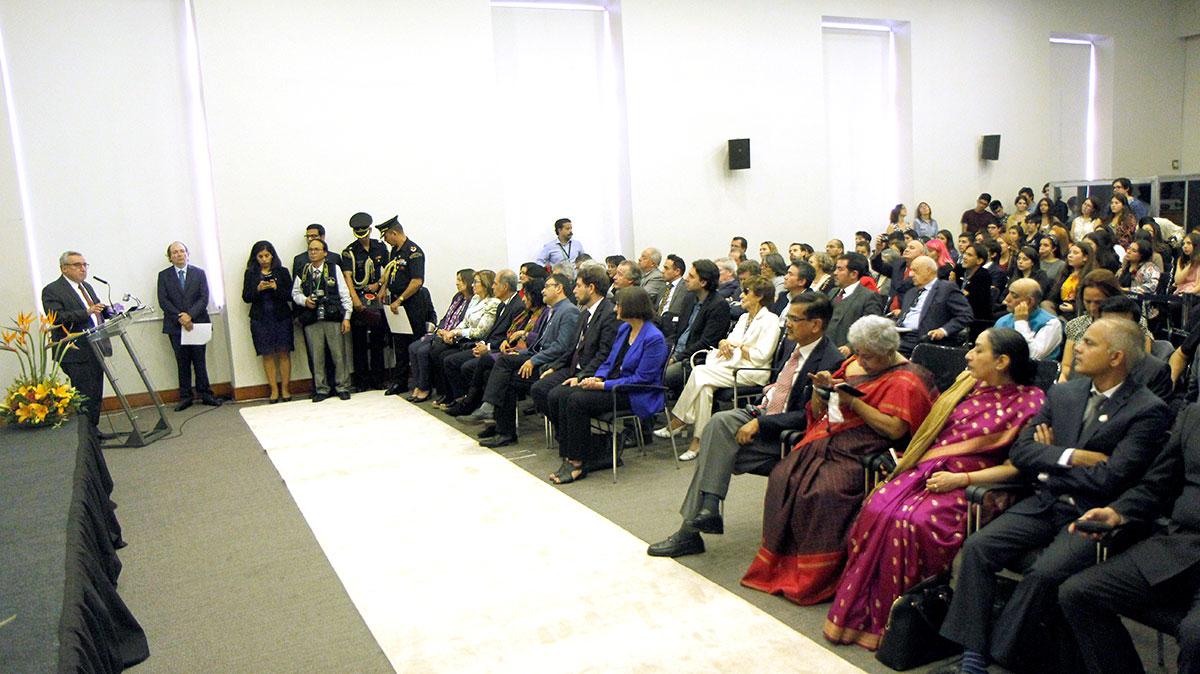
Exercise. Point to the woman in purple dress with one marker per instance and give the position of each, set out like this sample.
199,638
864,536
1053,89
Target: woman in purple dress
911,527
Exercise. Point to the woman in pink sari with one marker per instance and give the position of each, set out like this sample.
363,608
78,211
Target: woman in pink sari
911,527
813,494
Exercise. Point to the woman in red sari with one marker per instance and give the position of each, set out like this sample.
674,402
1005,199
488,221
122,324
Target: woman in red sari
813,494
911,527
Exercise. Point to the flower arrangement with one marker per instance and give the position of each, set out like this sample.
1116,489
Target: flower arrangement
38,397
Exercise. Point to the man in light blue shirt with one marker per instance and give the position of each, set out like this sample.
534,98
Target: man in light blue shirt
562,248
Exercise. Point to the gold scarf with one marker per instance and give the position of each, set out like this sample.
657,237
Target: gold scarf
942,408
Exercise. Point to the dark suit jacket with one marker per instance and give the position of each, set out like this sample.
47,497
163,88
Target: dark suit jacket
251,295
1155,374
671,320
946,308
824,357
558,335
598,338
504,318
978,290
709,328
1130,436
192,298
60,297
1170,487
861,302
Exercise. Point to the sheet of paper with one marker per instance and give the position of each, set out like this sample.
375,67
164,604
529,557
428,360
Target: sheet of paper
201,333
398,322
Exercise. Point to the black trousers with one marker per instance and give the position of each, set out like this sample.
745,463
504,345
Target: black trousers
504,386
454,370
369,336
1004,540
576,408
547,386
190,358
1094,599
88,377
438,352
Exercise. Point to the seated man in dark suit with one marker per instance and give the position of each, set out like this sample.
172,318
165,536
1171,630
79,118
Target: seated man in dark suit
705,320
596,332
1091,441
519,369
1159,572
798,279
77,307
747,440
852,300
932,309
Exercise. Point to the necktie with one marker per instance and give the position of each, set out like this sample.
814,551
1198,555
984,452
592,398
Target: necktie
840,296
666,298
580,338
783,385
1091,413
94,319
182,277
913,308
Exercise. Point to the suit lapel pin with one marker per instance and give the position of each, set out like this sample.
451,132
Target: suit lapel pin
1103,418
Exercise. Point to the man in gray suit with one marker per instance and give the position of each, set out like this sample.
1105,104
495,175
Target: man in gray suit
652,278
852,301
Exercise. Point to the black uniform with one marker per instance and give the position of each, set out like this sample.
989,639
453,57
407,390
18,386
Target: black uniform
368,330
409,264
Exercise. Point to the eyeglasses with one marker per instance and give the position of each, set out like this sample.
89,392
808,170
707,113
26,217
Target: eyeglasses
81,265
794,319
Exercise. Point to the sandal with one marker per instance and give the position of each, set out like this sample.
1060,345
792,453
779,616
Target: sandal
565,474
414,399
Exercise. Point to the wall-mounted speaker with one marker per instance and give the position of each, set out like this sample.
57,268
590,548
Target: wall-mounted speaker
991,147
739,154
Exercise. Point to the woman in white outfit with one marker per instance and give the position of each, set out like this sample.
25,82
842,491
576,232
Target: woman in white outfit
750,344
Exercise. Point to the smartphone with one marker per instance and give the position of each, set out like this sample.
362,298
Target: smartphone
849,390
1092,527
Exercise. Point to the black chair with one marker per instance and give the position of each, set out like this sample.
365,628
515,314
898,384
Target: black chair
945,362
1046,373
612,422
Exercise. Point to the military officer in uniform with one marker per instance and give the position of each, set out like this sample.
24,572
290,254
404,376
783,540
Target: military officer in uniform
404,287
362,265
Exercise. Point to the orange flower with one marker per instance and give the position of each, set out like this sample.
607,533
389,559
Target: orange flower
8,336
24,320
41,391
32,411
63,392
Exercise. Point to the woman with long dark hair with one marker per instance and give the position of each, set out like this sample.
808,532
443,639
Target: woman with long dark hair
1123,221
896,219
924,224
1081,259
1139,274
1108,253
267,288
1028,265
911,527
420,352
1085,223
1187,268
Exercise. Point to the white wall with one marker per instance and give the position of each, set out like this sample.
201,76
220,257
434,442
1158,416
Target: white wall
317,110
702,72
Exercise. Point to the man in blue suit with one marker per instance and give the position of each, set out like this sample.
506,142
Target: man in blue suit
932,309
183,298
517,371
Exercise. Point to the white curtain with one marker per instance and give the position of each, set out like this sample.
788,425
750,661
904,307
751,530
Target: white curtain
863,155
558,127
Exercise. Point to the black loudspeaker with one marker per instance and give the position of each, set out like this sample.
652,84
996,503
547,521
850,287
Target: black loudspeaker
991,147
739,154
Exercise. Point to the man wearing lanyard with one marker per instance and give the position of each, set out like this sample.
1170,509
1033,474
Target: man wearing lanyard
562,247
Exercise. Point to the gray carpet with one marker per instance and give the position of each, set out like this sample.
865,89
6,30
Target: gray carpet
225,575
221,569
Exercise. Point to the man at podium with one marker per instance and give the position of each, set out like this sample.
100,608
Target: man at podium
79,308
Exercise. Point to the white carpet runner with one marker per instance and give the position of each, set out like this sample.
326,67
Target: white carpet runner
460,561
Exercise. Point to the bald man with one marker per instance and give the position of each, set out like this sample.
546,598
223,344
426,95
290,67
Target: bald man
933,310
1041,329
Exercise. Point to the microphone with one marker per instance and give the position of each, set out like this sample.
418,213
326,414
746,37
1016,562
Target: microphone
109,311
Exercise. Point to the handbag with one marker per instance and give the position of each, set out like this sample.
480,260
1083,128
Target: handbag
911,637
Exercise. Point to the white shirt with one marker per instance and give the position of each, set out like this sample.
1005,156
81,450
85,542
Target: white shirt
913,318
1043,342
847,291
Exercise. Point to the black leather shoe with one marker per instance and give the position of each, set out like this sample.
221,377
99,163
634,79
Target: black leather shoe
318,397
211,401
344,395
489,432
678,544
395,389
184,404
106,436
499,441
708,522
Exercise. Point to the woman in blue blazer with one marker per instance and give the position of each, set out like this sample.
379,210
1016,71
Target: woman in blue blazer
638,356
